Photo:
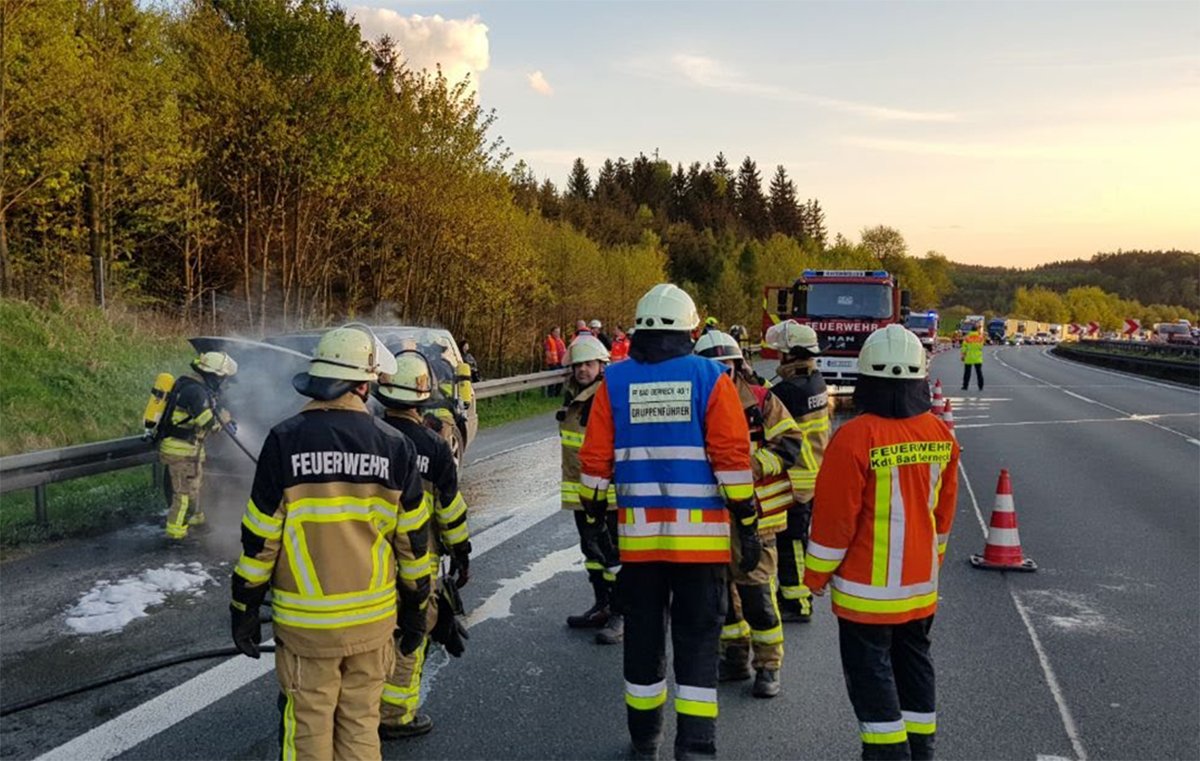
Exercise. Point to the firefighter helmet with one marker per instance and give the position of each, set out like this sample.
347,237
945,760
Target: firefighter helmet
717,345
892,352
216,363
666,307
410,385
352,353
789,335
586,348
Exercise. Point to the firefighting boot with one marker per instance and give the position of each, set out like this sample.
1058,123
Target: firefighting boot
613,632
596,616
735,664
420,725
766,683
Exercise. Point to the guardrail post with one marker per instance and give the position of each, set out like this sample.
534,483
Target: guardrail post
39,506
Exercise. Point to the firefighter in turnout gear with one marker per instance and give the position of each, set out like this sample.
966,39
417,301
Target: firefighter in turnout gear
802,390
884,506
403,394
587,358
753,621
336,529
192,412
667,429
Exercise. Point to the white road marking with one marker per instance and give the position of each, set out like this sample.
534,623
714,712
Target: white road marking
1051,678
1129,419
119,734
1117,374
1083,398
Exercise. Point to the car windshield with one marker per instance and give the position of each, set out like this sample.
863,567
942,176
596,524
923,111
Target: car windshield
1179,329
919,322
868,300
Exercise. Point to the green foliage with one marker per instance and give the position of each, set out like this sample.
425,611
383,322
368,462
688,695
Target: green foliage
80,507
1039,304
499,410
73,374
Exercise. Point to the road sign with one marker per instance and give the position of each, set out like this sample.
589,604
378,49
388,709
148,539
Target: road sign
1132,326
1093,328
1074,328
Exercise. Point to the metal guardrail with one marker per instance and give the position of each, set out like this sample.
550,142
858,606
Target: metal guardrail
1185,369
37,470
1182,351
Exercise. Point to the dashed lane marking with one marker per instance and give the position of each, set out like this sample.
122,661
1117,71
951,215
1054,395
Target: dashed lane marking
164,711
1052,682
1081,397
1117,374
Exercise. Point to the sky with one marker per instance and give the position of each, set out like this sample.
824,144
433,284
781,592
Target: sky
1003,133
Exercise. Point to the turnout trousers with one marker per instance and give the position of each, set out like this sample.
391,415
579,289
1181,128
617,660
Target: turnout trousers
329,707
690,599
603,582
793,543
184,474
889,675
967,376
752,622
402,690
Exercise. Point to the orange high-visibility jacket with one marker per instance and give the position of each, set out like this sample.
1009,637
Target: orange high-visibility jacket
882,513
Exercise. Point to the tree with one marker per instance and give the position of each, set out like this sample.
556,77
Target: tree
786,213
1040,305
751,204
814,221
886,245
579,183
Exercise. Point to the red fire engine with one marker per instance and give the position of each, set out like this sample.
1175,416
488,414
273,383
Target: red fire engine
843,307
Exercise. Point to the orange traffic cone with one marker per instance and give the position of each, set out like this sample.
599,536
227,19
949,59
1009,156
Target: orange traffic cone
948,416
1002,550
937,394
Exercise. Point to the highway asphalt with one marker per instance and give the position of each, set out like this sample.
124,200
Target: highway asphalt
1097,655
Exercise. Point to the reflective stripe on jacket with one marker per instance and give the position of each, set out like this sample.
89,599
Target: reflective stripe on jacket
884,505
773,433
444,502
972,349
337,525
673,438
802,390
189,417
570,432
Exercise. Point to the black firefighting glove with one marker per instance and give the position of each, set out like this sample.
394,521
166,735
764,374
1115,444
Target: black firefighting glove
411,634
745,521
247,629
460,564
449,631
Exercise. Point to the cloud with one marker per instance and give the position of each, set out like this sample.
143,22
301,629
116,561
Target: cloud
702,71
537,80
460,46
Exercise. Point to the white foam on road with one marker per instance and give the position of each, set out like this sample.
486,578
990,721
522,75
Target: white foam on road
1060,700
159,714
1070,612
110,605
499,604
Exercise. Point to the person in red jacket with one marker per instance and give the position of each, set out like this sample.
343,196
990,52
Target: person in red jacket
555,356
620,347
884,505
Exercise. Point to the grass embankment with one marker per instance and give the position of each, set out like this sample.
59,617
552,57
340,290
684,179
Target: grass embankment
505,409
70,375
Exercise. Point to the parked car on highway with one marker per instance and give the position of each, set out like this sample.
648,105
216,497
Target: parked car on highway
1018,339
1041,338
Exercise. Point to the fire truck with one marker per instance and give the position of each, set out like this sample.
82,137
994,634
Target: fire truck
843,307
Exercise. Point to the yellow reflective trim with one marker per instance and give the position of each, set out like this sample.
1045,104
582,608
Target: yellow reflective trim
645,704
820,565
288,750
378,561
738,630
341,602
920,728
413,520
457,534
335,620
884,738
455,510
773,521
883,517
770,636
637,543
571,439
696,708
178,447
819,424
298,506
238,605
863,605
412,570
253,570
787,424
738,492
